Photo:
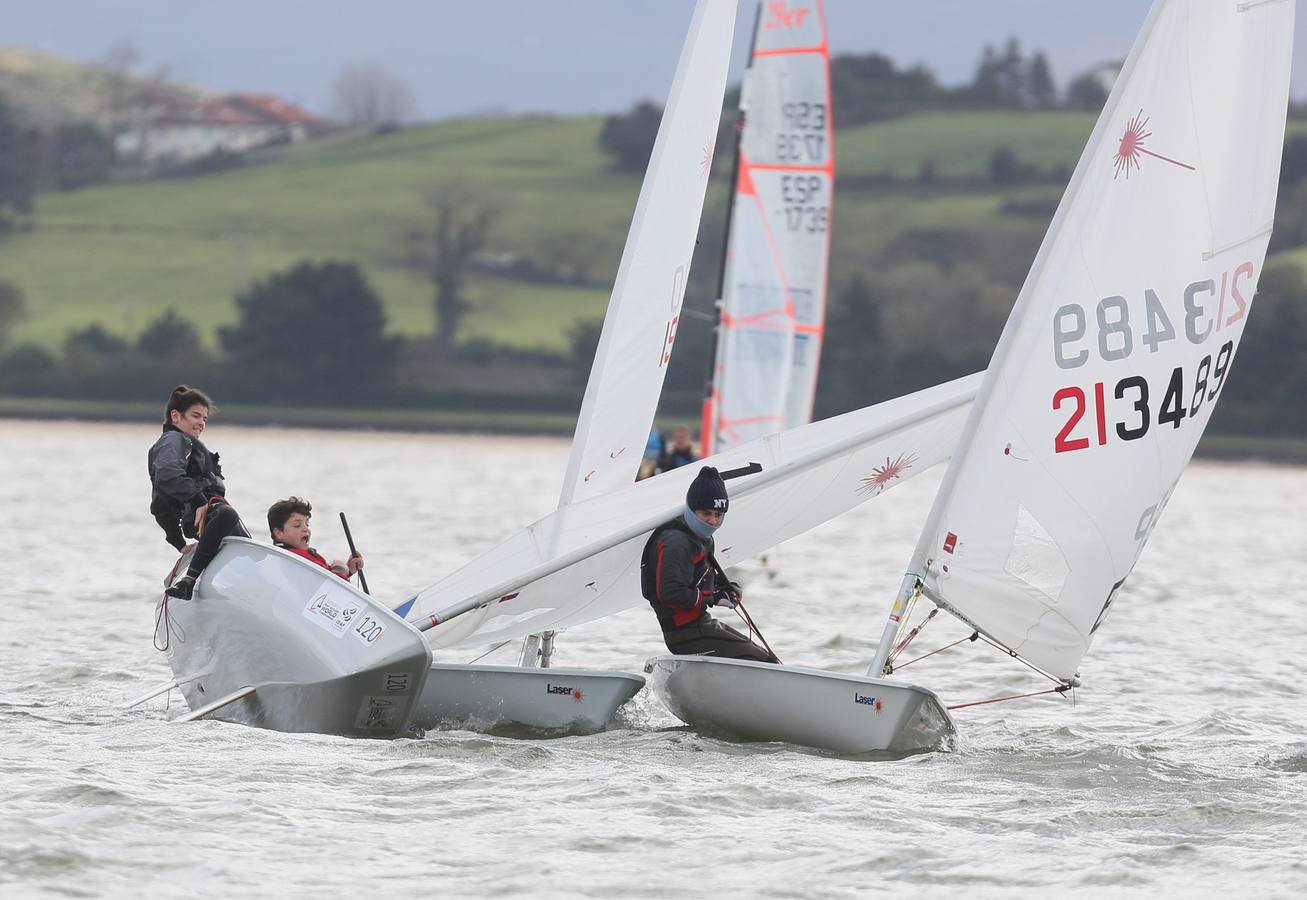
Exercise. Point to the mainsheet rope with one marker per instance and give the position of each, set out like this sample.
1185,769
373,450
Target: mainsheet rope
753,629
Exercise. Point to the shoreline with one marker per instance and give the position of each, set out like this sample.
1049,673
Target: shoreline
1231,447
333,418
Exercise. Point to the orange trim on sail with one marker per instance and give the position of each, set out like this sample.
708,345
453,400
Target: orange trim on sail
756,318
820,50
744,184
827,168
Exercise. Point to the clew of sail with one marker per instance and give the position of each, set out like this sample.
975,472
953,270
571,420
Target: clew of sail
1122,337
639,328
583,563
774,283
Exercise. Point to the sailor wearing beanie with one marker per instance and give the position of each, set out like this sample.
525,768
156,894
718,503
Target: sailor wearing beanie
678,576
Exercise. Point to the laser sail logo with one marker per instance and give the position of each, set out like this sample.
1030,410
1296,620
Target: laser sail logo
881,476
1131,148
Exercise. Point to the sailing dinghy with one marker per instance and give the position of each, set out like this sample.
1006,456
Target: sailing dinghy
272,640
581,563
621,395
1102,382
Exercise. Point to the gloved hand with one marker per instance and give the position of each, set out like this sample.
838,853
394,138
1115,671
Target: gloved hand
728,597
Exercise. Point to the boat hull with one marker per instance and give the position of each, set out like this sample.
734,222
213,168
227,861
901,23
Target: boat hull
847,714
322,656
488,698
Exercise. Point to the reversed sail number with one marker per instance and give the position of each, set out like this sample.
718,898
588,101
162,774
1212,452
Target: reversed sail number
1209,307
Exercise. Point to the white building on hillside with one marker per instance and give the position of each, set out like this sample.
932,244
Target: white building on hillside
169,133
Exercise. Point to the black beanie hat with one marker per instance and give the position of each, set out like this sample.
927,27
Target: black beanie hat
707,491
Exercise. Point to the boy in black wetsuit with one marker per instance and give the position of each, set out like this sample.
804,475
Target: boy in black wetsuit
678,576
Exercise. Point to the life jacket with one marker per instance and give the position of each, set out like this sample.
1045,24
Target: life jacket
700,579
312,556
176,515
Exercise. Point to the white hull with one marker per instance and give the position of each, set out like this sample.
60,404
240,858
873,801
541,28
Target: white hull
488,697
321,655
755,701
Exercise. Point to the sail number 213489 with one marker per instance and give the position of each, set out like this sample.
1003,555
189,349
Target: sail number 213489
1127,409
1178,402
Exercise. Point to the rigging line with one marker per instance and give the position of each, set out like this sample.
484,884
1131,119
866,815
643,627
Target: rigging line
909,608
912,605
171,628
1007,651
488,652
753,629
1060,689
894,668
1012,653
741,611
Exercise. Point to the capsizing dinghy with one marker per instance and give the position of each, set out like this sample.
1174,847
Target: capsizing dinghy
271,640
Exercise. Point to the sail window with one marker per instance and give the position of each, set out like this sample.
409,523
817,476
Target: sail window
1035,557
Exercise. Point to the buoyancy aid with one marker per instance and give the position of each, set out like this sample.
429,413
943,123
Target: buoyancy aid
184,475
312,556
676,574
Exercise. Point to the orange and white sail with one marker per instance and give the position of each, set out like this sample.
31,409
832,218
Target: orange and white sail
773,301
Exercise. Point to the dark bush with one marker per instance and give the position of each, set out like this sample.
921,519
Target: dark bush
314,334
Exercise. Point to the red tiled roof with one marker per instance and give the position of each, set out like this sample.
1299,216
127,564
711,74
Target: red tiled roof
277,109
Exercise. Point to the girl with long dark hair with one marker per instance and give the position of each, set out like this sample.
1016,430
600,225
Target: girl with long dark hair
188,497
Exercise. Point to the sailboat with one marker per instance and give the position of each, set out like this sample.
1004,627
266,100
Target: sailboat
269,640
1101,384
626,378
772,287
581,562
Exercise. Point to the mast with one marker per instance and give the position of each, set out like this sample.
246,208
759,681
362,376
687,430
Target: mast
708,422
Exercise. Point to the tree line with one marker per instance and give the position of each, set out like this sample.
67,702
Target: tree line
871,87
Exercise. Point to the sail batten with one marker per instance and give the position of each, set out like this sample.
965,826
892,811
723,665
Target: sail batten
1121,338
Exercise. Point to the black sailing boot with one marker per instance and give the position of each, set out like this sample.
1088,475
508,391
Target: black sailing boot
182,587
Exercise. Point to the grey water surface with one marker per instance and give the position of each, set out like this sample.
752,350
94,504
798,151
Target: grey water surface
1180,767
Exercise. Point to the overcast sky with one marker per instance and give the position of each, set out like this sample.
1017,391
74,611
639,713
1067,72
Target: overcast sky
467,56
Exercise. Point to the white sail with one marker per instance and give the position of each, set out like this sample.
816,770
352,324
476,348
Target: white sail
774,287
583,563
1122,337
644,310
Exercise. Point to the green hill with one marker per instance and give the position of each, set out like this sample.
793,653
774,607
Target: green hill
120,254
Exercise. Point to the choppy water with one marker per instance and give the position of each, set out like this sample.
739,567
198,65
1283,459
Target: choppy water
1180,767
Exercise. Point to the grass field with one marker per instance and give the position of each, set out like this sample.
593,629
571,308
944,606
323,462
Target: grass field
121,254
